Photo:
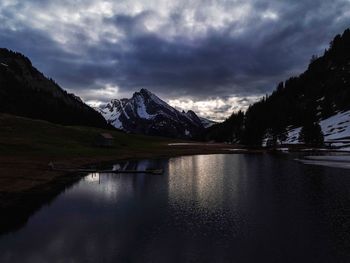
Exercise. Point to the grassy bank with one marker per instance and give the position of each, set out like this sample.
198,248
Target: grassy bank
22,136
27,146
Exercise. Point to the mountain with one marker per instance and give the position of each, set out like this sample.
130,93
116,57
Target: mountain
322,91
145,113
25,91
207,123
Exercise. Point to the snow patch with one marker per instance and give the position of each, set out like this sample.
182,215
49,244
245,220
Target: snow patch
141,108
293,136
336,130
116,122
337,126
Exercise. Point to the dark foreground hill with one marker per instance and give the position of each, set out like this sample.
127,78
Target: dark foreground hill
25,91
321,91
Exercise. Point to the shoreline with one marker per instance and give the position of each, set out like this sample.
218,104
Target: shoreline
27,183
21,174
36,170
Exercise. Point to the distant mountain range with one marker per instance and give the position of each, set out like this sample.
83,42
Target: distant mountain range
146,113
25,91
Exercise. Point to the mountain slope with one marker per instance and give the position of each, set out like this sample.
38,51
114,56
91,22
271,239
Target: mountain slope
336,130
25,91
145,113
320,92
207,123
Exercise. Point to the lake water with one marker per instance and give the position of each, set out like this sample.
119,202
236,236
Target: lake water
205,208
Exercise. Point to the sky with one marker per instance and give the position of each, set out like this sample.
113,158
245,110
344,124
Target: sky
213,57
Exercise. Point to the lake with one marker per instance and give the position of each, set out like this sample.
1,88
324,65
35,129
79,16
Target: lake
204,208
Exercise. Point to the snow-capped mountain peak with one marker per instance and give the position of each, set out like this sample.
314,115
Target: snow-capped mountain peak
146,113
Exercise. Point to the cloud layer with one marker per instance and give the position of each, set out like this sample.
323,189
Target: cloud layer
199,51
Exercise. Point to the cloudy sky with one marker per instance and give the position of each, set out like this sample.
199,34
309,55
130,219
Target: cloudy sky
211,56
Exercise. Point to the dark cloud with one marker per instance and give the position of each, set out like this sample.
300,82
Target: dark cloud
196,50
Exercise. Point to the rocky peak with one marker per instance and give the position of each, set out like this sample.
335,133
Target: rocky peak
146,113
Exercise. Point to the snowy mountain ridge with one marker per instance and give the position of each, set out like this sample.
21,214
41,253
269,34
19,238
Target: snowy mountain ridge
145,113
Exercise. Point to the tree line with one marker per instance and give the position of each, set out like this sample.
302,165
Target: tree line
302,101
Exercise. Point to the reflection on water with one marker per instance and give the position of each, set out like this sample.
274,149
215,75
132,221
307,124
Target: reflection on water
107,189
201,182
210,208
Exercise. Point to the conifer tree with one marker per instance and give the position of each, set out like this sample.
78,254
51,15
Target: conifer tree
311,134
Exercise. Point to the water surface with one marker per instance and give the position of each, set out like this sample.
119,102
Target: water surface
206,208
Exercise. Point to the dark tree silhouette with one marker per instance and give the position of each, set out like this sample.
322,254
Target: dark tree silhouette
25,91
311,134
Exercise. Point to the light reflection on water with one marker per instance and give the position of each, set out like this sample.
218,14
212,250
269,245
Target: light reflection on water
200,182
100,187
207,208
92,177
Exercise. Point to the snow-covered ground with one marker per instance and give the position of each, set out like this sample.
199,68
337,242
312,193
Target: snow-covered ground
141,108
293,136
336,130
336,127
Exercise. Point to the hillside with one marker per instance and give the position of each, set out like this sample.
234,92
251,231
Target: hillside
322,91
25,91
22,136
336,130
28,145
